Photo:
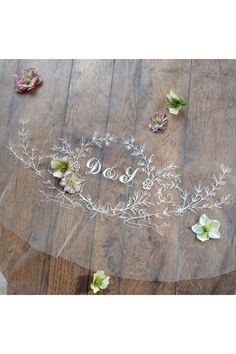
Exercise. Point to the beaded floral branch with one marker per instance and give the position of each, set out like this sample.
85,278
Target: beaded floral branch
143,207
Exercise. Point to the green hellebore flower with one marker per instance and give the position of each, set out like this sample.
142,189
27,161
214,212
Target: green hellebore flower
100,281
175,102
206,229
61,166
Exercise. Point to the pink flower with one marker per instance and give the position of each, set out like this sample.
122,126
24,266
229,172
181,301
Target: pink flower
26,80
71,183
158,122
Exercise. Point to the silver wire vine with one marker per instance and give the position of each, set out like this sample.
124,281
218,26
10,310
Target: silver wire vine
143,207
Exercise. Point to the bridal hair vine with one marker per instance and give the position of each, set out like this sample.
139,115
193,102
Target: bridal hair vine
157,197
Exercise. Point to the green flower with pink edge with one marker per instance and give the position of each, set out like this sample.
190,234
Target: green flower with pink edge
71,183
26,80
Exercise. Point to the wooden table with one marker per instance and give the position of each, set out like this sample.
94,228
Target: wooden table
79,97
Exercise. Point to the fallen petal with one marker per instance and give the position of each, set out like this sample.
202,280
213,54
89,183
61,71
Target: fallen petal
204,237
198,229
204,220
214,234
215,225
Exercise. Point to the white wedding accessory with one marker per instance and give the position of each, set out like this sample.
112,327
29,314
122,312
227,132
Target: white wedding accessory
157,196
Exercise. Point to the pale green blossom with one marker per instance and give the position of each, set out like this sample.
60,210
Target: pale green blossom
206,229
61,166
100,281
175,102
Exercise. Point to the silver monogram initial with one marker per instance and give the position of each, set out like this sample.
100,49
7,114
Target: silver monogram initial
94,165
129,176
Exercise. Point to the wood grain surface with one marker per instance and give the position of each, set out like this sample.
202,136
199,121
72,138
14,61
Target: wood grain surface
59,250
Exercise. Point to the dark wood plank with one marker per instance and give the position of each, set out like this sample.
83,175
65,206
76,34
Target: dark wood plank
7,69
138,90
159,77
222,285
158,253
44,109
210,136
87,112
109,235
24,268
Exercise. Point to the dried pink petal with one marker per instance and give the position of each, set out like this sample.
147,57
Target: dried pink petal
26,80
71,183
158,122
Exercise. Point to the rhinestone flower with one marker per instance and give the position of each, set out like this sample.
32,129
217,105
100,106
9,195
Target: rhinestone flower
26,80
147,184
158,122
